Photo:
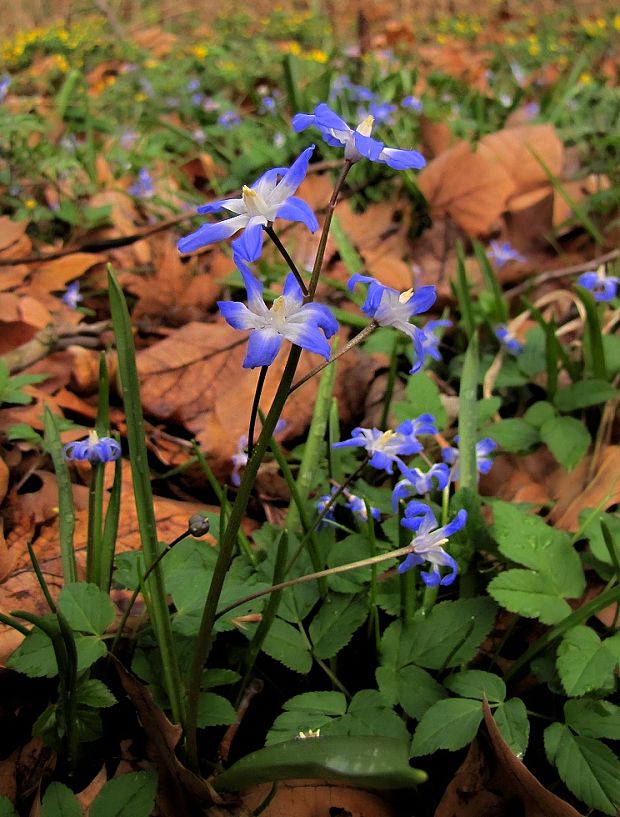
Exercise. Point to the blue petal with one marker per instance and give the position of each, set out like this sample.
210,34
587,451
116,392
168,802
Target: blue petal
353,442
301,121
326,118
263,346
402,159
292,291
253,287
381,462
413,560
418,352
432,578
358,278
296,173
295,209
422,300
214,206
210,233
322,317
367,146
249,245
457,523
236,314
308,336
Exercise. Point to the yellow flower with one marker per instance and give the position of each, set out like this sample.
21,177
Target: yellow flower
140,97
617,22
151,63
200,51
30,204
441,39
534,49
585,78
316,55
61,62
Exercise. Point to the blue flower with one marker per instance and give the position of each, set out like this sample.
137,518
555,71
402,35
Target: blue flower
427,545
72,296
430,341
388,307
305,325
322,503
483,461
358,143
508,339
381,112
503,253
357,506
416,481
239,460
94,449
259,205
268,105
143,188
5,81
387,447
229,119
603,287
412,102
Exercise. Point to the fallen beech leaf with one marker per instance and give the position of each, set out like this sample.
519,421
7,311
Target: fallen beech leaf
157,41
469,185
579,489
125,218
4,478
437,137
11,231
13,276
511,147
86,797
55,275
310,798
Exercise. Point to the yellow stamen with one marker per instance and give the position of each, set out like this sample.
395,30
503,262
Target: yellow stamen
278,308
365,127
405,296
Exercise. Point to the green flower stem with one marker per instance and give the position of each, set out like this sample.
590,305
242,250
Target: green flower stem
468,408
373,620
389,388
355,341
406,580
579,616
110,529
95,523
255,404
284,253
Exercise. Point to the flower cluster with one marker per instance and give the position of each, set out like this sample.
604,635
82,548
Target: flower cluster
485,447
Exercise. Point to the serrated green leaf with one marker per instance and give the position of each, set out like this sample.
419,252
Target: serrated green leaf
368,714
588,767
584,393
311,710
449,724
529,593
412,687
473,683
567,439
131,795
514,435
337,620
94,693
215,710
219,677
86,608
593,719
584,662
512,722
286,644
35,655
59,801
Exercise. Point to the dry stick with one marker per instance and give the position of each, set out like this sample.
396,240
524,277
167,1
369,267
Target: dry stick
561,273
46,341
355,341
253,688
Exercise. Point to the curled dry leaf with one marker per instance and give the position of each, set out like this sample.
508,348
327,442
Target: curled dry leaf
11,232
311,798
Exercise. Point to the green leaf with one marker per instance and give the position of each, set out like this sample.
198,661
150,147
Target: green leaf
422,396
368,714
593,719
214,710
584,662
514,435
512,722
526,539
594,533
530,594
310,710
567,439
35,655
337,620
7,809
538,413
473,683
286,644
86,608
584,393
412,687
131,795
94,693
588,767
59,801
219,677
449,724
487,408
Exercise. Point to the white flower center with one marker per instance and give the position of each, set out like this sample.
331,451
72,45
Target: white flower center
255,204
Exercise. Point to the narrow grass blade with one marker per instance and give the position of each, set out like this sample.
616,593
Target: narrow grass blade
491,283
468,404
593,351
66,514
463,295
110,529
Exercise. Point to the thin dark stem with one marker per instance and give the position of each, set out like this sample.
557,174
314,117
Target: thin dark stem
284,253
255,404
355,341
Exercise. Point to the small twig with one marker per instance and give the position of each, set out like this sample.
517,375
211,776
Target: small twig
46,341
253,688
560,273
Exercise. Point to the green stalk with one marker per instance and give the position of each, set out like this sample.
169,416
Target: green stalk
156,592
407,580
389,388
461,288
593,350
95,523
255,404
373,619
468,410
110,529
66,513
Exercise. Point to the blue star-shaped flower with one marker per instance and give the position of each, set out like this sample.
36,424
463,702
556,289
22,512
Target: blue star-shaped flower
603,287
387,447
427,545
306,325
270,197
94,449
418,482
508,339
503,253
358,144
483,461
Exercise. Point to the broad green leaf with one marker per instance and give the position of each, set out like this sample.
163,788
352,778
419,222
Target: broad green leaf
584,393
131,795
530,594
215,710
588,767
86,608
593,719
473,683
594,533
528,540
412,687
367,714
59,801
219,677
7,809
35,655
94,693
423,396
286,644
512,722
449,724
311,710
567,439
487,408
514,435
584,662
337,620
538,413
